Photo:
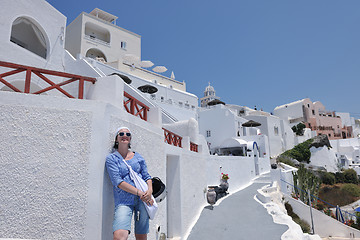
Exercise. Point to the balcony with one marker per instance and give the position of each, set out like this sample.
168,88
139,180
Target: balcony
96,40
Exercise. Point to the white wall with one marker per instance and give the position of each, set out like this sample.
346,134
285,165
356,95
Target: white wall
241,170
346,120
284,176
268,124
324,225
222,123
287,135
38,11
289,111
68,193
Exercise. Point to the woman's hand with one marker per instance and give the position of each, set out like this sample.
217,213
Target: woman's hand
150,203
146,197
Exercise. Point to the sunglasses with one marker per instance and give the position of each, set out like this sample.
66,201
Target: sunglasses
123,133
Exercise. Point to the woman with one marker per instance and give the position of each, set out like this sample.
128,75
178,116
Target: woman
128,199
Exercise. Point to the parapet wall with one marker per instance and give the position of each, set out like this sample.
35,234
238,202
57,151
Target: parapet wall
241,170
53,182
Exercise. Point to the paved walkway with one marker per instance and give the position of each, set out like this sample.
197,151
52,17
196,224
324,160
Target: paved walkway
238,217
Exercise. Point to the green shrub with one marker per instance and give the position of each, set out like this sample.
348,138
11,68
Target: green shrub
305,227
300,152
299,129
303,224
351,176
289,208
352,189
327,178
286,160
339,177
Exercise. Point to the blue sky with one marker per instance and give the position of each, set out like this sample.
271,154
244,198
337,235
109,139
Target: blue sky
254,52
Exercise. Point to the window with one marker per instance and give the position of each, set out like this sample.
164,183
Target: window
27,35
313,112
123,45
208,133
276,130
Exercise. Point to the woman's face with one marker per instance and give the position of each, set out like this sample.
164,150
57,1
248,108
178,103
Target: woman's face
124,137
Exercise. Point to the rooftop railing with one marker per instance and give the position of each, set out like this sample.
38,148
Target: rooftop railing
43,74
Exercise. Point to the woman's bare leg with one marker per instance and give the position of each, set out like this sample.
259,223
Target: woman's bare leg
121,234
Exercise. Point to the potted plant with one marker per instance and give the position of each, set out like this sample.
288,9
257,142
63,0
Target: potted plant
223,181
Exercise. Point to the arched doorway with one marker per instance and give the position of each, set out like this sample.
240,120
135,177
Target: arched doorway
256,153
96,54
27,34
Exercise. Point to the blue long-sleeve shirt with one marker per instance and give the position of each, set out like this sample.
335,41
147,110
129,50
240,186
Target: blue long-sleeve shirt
119,172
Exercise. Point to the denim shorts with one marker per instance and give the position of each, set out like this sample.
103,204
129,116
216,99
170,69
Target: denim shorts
123,215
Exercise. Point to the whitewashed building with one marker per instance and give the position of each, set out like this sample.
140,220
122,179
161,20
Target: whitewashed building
58,127
281,137
221,122
95,39
316,117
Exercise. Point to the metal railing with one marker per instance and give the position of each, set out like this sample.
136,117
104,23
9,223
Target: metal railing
135,107
194,147
348,216
172,138
44,75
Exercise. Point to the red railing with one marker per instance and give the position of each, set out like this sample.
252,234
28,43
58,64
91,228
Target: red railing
193,147
40,73
135,107
171,138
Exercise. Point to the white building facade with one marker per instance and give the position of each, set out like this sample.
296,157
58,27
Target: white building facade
52,166
316,117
